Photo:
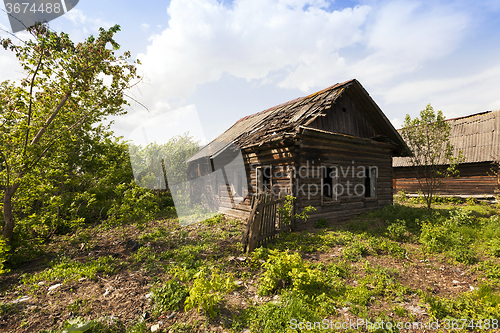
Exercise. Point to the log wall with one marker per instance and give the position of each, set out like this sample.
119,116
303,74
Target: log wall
475,179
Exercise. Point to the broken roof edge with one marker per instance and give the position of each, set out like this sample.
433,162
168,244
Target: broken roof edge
295,100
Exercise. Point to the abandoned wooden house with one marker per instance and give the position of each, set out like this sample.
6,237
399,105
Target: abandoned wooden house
332,149
478,137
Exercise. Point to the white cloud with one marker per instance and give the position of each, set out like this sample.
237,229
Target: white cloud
250,40
258,39
76,16
144,26
397,123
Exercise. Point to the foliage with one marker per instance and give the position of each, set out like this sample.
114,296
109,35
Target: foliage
67,270
285,269
78,325
321,223
287,211
276,317
461,217
397,231
62,97
168,297
207,293
155,163
133,204
427,138
4,249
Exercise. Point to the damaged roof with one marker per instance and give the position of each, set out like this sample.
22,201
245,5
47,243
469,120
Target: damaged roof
283,121
477,135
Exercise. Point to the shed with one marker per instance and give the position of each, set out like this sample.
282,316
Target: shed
478,137
332,149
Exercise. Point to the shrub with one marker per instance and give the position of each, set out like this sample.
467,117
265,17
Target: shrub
401,197
168,297
494,247
136,205
464,255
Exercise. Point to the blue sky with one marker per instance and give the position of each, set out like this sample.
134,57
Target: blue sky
225,60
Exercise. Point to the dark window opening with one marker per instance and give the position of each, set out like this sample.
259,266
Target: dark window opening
328,183
264,179
344,109
367,185
370,182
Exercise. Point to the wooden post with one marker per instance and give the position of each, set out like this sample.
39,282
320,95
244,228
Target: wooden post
253,237
251,218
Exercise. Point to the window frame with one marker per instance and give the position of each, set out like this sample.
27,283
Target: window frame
334,182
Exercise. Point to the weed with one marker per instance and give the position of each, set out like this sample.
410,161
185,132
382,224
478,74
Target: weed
168,297
471,201
400,311
279,317
397,231
218,219
72,270
207,293
356,250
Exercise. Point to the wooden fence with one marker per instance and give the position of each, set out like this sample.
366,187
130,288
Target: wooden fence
265,221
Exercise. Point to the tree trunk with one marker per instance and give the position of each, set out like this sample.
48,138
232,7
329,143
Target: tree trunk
8,216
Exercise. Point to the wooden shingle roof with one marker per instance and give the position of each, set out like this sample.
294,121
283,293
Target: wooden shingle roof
283,121
477,135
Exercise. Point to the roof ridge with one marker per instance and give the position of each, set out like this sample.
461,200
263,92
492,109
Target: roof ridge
295,100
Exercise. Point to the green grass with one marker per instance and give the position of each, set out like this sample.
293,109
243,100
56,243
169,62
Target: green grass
191,266
66,270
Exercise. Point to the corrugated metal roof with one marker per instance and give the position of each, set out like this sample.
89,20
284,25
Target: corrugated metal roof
477,135
283,120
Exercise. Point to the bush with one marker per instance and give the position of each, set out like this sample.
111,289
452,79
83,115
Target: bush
279,266
494,247
355,250
464,255
136,204
4,250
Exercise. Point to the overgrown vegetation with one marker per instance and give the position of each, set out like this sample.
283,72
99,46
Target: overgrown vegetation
391,265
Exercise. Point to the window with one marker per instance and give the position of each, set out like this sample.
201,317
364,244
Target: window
329,183
237,184
371,174
264,181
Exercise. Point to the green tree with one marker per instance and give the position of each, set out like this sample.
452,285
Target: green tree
156,165
431,154
67,89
